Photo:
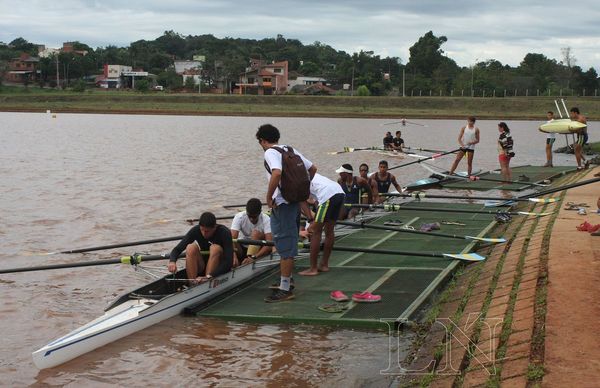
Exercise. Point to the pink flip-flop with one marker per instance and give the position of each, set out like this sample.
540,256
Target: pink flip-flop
366,297
339,296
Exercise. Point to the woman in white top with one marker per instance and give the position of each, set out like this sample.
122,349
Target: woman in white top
468,137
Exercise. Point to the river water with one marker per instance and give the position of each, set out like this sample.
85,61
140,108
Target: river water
70,181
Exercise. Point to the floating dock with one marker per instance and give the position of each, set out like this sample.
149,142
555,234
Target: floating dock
405,283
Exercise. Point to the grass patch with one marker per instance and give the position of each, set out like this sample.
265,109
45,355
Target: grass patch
535,372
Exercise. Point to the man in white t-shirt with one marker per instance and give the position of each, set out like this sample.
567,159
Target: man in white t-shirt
284,214
330,200
250,224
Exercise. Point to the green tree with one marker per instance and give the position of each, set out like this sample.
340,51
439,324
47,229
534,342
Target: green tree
79,86
190,84
363,91
426,54
142,86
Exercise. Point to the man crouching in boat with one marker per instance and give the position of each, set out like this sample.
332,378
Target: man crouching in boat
209,237
251,224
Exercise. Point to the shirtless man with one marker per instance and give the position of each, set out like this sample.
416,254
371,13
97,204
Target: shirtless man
550,139
383,179
581,134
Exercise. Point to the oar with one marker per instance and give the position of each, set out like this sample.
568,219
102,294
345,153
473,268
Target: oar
164,221
119,245
458,256
403,230
404,121
421,194
134,260
241,205
561,188
124,244
350,149
424,159
478,178
423,149
431,209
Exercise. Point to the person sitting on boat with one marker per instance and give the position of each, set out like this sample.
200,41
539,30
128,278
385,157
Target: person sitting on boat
505,150
363,171
388,141
353,188
329,198
250,224
398,142
467,138
208,250
384,179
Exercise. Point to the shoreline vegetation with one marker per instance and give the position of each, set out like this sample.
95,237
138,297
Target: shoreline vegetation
34,99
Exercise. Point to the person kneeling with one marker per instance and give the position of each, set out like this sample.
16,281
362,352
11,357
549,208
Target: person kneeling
208,250
251,224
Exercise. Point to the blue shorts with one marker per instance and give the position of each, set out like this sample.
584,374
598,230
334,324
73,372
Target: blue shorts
284,226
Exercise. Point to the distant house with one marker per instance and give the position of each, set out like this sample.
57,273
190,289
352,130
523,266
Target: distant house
68,47
306,81
118,77
23,69
264,78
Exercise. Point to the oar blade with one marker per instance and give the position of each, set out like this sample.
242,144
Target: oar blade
543,200
492,203
534,214
465,256
496,240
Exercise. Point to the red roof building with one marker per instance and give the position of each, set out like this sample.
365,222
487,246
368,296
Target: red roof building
264,78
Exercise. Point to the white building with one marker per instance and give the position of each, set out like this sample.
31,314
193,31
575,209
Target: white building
305,81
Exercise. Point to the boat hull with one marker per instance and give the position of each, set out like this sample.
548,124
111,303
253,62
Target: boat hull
132,315
563,126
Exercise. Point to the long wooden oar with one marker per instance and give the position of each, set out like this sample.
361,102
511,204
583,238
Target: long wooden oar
134,260
421,194
240,205
431,209
457,256
437,234
423,149
405,122
478,178
432,157
350,149
561,188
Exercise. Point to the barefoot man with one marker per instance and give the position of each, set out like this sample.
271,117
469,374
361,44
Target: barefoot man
577,116
208,237
330,199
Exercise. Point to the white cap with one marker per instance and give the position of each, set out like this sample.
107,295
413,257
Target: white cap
345,168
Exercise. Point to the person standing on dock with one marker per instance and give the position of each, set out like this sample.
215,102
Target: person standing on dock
550,139
251,224
505,150
467,138
353,188
581,137
384,179
289,174
330,200
207,236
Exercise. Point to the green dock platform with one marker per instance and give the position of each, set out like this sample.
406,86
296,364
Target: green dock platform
405,283
530,175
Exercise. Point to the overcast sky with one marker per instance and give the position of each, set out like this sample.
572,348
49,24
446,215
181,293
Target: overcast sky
477,30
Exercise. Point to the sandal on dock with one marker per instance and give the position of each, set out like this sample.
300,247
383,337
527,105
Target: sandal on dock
333,307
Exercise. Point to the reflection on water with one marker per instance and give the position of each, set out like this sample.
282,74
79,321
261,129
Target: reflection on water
84,180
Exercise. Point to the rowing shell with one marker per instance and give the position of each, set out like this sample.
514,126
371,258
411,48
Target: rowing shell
142,308
562,126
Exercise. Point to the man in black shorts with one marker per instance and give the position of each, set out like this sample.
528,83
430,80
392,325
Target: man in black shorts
330,199
208,250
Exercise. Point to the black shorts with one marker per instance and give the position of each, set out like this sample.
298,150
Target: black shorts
467,150
330,210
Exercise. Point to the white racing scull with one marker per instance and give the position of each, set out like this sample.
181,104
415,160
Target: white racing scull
142,308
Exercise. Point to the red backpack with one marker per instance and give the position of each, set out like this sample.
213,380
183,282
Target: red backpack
295,180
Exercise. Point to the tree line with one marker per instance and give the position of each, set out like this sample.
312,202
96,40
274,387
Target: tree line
428,69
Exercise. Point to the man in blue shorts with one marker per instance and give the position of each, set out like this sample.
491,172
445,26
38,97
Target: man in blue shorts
284,215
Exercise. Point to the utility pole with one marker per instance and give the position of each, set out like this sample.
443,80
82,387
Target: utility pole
57,74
